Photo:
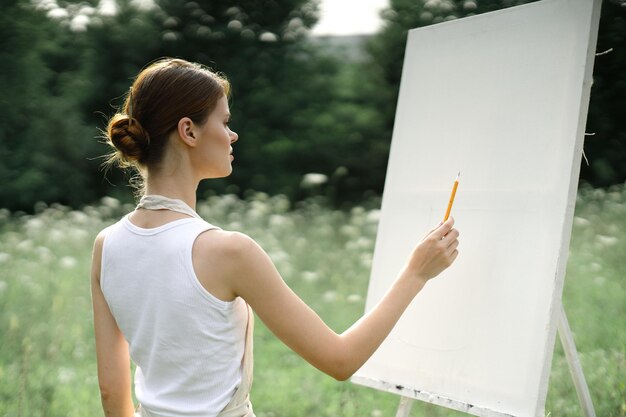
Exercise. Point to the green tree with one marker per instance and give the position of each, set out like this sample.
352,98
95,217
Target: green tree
40,159
606,149
293,103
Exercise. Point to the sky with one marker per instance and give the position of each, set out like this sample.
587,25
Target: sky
337,17
349,17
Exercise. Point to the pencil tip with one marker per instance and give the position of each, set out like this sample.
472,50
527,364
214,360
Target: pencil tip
458,175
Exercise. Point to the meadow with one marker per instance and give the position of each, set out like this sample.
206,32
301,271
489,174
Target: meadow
47,359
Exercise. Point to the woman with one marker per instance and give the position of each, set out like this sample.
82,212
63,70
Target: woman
174,293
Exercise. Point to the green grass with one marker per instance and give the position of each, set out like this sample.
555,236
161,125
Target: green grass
47,359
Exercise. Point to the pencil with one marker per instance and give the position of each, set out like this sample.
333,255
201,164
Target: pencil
454,187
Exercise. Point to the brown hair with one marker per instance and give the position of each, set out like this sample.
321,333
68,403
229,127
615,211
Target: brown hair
163,93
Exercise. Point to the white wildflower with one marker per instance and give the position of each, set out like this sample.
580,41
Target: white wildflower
45,254
34,224
581,221
110,202
278,256
607,240
79,352
268,37
67,262
79,217
366,260
594,266
329,296
470,5
25,245
56,235
359,243
313,180
235,25
354,298
373,216
66,375
78,234
277,220
310,276
235,226
350,230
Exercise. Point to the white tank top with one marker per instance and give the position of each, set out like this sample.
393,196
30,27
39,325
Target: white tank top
187,344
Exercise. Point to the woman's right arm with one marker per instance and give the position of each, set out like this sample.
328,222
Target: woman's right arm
251,274
111,348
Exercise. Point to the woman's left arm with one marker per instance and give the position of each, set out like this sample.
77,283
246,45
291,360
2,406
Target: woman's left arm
111,348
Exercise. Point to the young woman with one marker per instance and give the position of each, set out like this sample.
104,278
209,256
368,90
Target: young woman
174,293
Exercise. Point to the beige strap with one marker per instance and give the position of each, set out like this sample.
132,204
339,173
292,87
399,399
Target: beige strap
240,405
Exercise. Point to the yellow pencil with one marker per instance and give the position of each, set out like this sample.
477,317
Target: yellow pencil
454,187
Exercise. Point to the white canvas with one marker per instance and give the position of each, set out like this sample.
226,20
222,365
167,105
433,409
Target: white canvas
501,97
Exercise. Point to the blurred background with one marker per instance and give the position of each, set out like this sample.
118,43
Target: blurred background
315,86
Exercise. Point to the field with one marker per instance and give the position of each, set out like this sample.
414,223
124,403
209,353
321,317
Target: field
47,359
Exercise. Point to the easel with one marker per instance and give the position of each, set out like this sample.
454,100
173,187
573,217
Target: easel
575,368
480,376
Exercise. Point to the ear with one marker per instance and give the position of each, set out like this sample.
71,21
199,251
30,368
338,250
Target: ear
186,131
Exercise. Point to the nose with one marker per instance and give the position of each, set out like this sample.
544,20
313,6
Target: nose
234,137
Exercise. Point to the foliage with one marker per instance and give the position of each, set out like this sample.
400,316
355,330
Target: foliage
606,149
284,88
41,154
47,358
300,105
83,61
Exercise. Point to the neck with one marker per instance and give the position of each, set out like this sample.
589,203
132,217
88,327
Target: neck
173,187
174,175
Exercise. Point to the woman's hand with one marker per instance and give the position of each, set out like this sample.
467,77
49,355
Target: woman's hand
436,252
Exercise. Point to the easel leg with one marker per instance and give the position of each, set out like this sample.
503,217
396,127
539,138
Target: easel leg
404,409
576,370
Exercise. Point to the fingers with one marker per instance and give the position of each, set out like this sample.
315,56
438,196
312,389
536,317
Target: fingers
440,231
450,242
451,237
452,247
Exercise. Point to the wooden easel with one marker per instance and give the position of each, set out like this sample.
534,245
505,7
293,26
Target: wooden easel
575,368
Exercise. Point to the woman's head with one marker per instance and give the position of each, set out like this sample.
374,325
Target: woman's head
162,94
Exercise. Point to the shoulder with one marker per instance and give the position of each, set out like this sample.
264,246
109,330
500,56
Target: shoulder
96,259
99,240
98,245
222,243
226,261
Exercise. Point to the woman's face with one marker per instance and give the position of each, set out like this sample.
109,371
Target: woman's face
214,153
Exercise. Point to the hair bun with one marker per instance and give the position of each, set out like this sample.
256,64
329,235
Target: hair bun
129,138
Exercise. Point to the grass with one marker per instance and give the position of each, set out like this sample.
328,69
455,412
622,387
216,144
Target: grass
47,359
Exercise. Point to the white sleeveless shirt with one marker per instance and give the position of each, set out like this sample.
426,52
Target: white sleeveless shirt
187,344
